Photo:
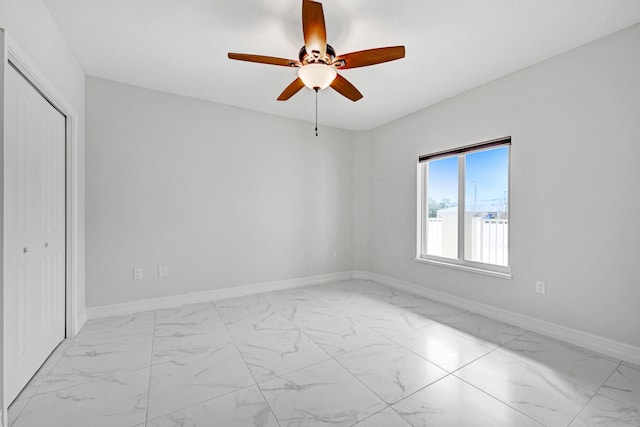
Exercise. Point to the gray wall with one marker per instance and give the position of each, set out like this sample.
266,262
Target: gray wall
575,196
361,201
222,196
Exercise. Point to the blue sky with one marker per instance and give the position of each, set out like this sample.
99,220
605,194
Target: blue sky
486,171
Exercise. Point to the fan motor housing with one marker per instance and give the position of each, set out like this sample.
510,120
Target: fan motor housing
314,57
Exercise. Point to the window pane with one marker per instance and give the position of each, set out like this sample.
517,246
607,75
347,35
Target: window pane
486,236
442,196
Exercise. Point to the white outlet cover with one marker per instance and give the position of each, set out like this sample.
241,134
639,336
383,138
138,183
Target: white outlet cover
541,287
137,273
162,271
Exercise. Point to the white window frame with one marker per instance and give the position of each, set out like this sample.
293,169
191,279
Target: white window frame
423,211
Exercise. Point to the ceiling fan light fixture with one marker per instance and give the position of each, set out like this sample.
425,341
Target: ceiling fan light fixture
317,76
317,61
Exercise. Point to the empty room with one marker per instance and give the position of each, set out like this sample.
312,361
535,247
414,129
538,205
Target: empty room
299,213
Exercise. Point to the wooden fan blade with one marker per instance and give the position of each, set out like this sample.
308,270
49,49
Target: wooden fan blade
345,88
369,57
315,34
291,90
264,59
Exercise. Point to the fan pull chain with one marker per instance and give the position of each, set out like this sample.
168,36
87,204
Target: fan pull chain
316,89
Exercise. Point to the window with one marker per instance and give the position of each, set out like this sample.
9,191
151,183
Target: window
463,207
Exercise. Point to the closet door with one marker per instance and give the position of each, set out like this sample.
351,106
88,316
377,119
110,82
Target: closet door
35,229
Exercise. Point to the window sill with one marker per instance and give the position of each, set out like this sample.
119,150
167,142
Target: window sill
466,268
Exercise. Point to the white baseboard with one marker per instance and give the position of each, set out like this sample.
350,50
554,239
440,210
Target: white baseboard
80,321
606,346
212,295
364,275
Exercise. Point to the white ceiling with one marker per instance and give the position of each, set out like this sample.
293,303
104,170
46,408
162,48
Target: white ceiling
181,46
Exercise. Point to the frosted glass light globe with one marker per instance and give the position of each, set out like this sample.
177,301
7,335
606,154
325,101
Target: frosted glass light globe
317,75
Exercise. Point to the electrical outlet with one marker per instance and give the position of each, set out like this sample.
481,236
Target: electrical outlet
137,274
541,288
162,271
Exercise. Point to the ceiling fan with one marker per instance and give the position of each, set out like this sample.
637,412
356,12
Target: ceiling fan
317,61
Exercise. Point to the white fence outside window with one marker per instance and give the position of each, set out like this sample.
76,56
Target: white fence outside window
487,239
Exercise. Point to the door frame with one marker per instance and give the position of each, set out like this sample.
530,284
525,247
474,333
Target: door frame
75,313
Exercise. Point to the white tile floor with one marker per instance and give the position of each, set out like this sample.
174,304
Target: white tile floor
342,354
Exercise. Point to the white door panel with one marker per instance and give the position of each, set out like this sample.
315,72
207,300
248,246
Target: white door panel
35,230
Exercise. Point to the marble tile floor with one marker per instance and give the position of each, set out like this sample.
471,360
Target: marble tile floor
352,353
